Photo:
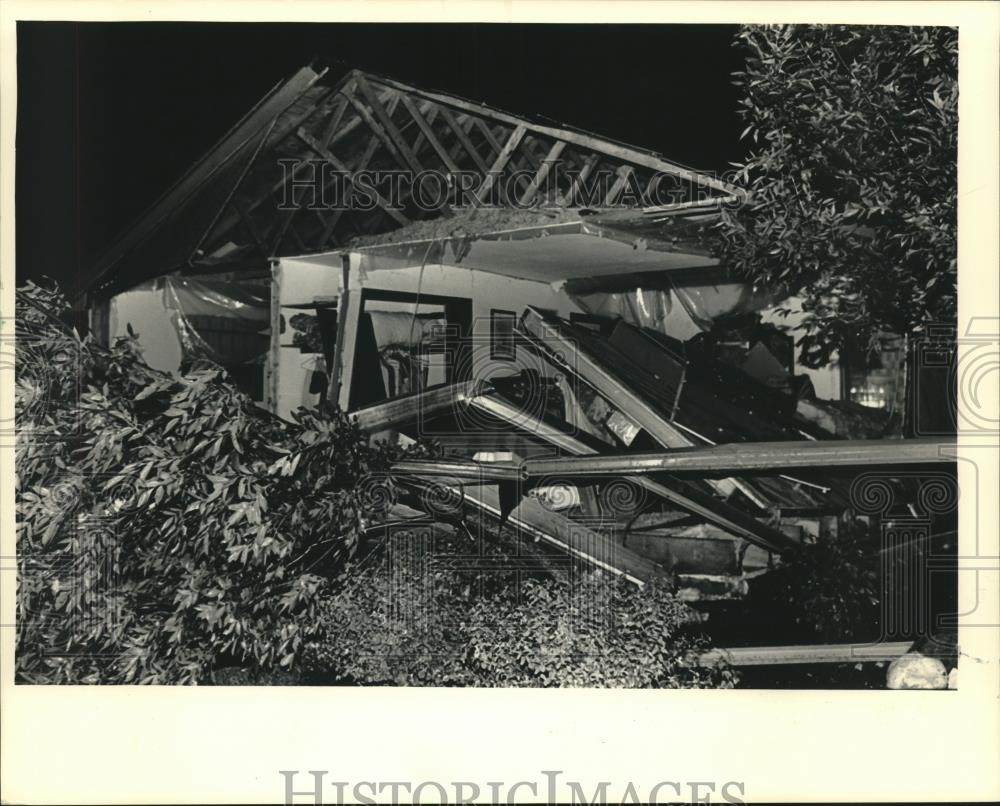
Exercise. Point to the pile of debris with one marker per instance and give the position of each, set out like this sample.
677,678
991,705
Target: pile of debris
636,453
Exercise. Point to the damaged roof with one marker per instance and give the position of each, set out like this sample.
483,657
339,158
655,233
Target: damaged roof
237,207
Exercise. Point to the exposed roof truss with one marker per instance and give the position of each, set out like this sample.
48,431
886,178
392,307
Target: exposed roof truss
276,185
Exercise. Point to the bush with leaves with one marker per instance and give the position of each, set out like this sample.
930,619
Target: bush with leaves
166,524
851,177
420,625
601,632
827,591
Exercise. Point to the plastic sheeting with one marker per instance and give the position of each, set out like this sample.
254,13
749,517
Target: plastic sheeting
222,320
680,311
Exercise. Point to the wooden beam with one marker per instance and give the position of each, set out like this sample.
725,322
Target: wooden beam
581,178
334,132
327,155
543,171
545,332
534,519
390,413
500,162
736,458
582,139
808,653
387,123
756,457
377,130
463,138
231,145
428,133
464,470
348,319
624,172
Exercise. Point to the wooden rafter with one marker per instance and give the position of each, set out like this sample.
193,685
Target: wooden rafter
251,227
624,172
377,129
429,113
543,171
463,138
501,161
359,165
391,130
583,140
333,134
328,155
427,132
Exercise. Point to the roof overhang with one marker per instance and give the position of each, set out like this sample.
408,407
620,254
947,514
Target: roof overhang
549,253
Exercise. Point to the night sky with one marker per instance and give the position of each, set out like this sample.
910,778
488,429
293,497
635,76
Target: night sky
111,114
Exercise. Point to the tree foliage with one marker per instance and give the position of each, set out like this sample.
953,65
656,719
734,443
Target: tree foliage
851,177
167,524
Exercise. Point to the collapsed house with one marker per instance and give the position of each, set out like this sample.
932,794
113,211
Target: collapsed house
563,343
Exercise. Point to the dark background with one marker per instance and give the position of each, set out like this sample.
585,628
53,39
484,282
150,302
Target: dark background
111,114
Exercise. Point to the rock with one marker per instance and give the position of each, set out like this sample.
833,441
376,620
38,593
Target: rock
916,671
953,678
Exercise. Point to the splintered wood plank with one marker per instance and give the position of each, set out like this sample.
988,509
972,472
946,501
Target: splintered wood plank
327,155
543,171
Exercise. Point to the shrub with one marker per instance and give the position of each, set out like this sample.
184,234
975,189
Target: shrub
166,524
825,591
421,625
602,632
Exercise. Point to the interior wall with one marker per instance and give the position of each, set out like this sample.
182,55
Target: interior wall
144,308
303,281
297,282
